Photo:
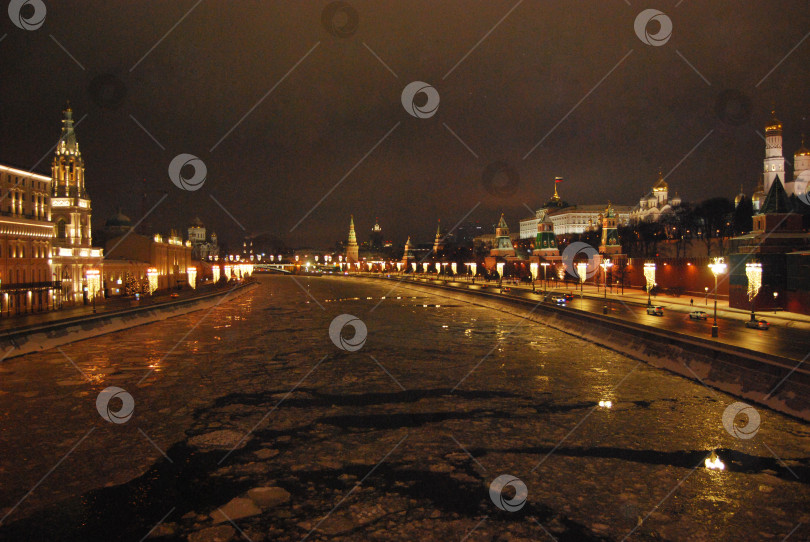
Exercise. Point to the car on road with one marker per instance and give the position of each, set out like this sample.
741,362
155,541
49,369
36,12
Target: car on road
174,294
656,310
559,299
698,315
569,296
758,324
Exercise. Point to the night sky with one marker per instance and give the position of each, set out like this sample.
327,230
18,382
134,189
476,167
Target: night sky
340,101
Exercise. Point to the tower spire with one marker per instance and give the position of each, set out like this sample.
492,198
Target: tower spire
352,250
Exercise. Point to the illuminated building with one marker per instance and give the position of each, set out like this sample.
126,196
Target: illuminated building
202,247
352,249
26,279
169,257
655,203
438,242
503,241
73,254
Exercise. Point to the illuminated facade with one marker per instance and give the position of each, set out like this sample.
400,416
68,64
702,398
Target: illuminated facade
75,261
168,259
26,280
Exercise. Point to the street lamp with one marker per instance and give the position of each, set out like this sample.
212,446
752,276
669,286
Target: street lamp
649,275
718,267
606,264
545,284
533,267
706,289
775,295
753,270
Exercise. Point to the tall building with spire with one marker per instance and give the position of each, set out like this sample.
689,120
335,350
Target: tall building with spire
352,250
75,262
438,242
407,255
774,163
503,242
375,240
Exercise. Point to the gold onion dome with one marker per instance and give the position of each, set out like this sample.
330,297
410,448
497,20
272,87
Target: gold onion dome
661,184
803,151
775,125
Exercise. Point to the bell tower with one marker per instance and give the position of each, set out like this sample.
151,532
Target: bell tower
774,164
70,203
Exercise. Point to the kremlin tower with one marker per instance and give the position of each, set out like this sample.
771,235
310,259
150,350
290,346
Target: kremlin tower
438,243
352,250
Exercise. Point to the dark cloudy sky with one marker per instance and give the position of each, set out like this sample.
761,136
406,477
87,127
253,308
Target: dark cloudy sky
341,101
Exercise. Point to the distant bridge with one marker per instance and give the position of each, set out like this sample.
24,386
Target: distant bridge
286,268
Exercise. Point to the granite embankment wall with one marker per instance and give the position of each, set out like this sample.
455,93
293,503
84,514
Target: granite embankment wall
753,376
53,334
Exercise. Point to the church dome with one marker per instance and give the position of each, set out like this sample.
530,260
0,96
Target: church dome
739,197
803,151
775,125
118,220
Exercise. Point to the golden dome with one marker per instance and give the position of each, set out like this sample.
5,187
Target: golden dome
775,125
661,185
803,151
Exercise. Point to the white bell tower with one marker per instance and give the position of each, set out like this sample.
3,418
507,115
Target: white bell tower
774,163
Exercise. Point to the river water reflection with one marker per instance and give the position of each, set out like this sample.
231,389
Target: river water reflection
442,398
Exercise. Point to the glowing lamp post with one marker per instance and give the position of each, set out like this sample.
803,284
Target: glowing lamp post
93,277
454,268
606,264
438,268
753,271
152,276
649,275
545,280
533,266
425,267
192,276
500,266
718,267
582,271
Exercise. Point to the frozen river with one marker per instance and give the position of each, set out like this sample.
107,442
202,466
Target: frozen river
249,422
